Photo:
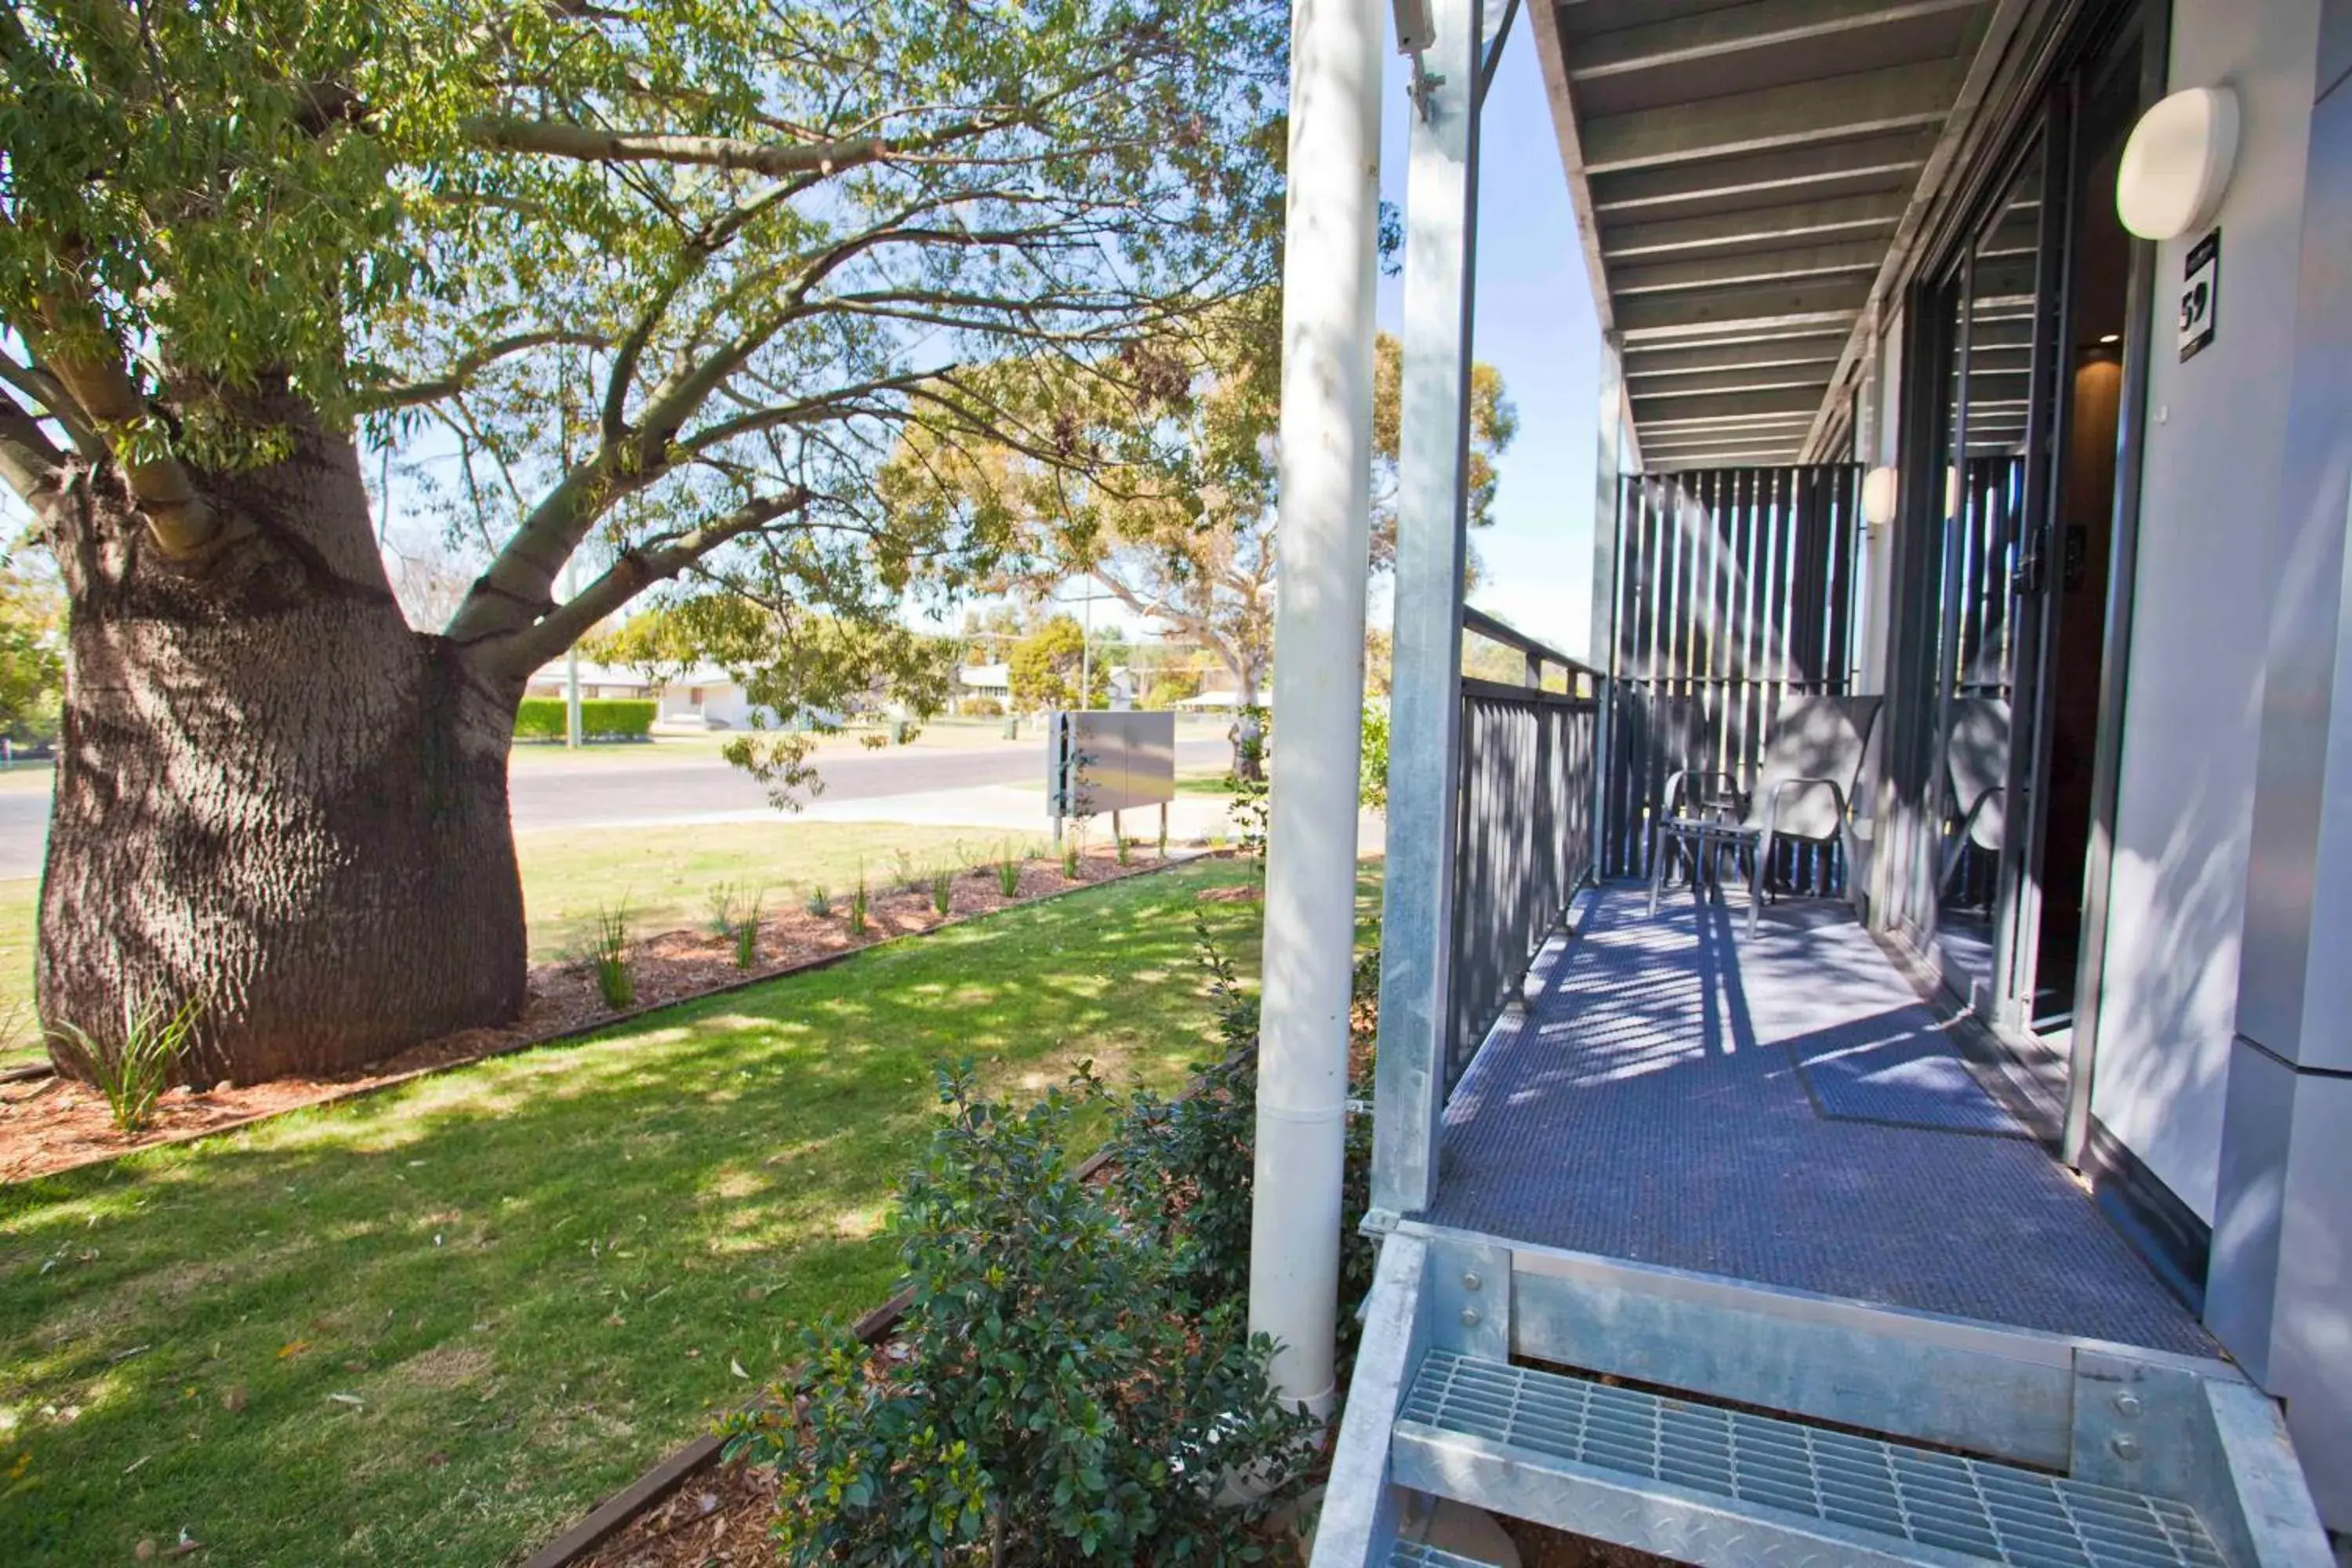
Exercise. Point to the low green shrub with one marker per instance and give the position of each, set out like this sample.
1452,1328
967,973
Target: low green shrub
859,901
942,890
1059,1397
132,1069
1008,874
600,719
820,903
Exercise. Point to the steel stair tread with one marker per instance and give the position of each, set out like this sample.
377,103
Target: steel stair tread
1901,1502
1419,1554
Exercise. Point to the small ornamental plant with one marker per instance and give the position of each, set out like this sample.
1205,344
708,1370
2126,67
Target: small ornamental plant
820,903
608,958
859,902
1058,1395
130,1071
1008,875
725,903
942,891
747,935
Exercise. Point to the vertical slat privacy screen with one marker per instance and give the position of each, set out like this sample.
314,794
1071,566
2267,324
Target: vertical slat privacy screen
1736,588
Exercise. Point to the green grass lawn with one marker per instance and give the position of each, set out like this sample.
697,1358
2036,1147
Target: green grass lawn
664,875
438,1325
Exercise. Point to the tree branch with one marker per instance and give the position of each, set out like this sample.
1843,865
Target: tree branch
468,366
107,400
49,401
518,654
584,143
28,461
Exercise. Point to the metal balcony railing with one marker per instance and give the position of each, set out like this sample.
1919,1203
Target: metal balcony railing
1525,824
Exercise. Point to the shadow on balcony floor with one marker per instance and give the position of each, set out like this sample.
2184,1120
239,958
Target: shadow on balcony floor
1784,1110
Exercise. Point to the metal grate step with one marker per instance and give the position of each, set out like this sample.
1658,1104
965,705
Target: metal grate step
1838,1487
1415,1554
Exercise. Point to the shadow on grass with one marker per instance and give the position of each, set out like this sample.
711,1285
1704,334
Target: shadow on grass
438,1324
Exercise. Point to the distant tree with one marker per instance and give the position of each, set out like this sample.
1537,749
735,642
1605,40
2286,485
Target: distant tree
32,661
1484,660
1494,424
1046,666
1178,517
989,634
1169,686
1380,658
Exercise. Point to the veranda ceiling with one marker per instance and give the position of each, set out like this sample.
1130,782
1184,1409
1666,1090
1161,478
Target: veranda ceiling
1747,174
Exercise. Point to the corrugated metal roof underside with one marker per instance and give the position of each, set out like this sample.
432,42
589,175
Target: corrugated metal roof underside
1746,167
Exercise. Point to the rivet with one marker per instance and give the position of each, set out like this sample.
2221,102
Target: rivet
1469,1317
2125,1447
2126,1404
1471,1282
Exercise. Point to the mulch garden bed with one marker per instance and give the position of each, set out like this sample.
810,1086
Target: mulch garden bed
51,1124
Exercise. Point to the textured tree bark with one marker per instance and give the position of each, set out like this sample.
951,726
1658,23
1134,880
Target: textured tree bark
273,797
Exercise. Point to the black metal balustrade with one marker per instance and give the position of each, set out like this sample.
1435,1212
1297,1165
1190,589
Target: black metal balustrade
1526,825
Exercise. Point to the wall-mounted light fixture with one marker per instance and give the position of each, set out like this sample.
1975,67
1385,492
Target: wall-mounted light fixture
2178,163
1416,33
1878,497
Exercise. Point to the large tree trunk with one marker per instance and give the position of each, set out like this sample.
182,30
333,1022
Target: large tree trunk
273,797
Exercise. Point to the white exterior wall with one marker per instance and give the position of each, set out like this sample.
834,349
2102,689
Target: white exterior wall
2201,606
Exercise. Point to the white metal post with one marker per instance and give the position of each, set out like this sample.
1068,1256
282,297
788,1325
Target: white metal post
1425,689
1331,232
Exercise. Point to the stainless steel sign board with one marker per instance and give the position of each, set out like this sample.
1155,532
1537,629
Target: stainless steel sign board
2200,291
1098,760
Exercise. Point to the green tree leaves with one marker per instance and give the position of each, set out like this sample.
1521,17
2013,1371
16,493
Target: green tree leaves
656,286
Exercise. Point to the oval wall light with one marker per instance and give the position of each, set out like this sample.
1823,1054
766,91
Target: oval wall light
2178,163
1878,497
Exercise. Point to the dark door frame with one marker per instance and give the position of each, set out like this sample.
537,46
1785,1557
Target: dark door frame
1906,869
2154,19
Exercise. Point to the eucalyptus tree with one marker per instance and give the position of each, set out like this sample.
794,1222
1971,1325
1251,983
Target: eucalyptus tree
1175,511
651,288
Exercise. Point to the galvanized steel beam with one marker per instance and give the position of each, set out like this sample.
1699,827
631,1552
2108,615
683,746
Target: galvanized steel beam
1425,692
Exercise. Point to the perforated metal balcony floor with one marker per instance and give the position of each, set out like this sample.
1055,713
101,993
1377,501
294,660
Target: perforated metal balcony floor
1784,1110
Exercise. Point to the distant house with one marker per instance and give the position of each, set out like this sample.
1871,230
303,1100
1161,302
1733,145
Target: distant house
989,682
702,698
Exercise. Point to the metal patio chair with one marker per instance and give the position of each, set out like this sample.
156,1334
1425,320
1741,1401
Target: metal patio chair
1811,759
1976,760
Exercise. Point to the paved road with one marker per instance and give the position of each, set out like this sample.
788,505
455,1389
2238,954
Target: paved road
608,790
